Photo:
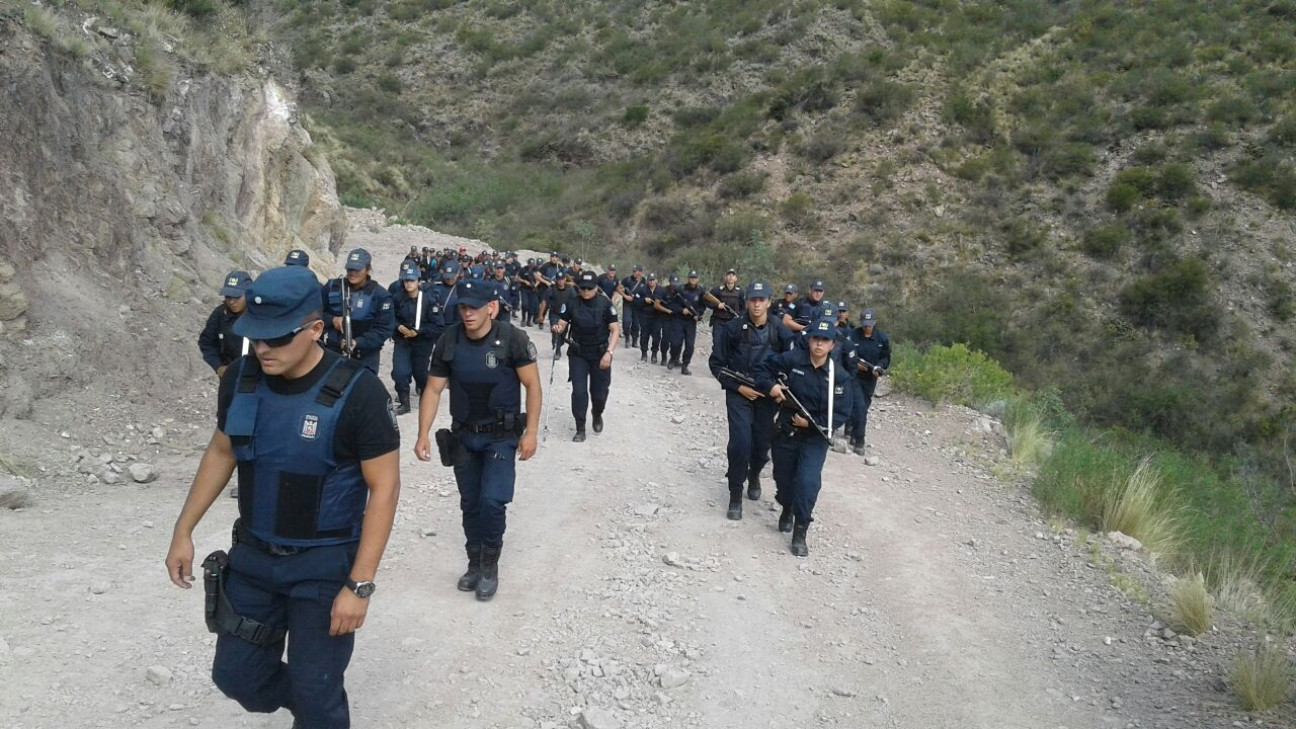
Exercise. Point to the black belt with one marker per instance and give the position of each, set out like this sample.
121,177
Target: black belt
487,429
243,536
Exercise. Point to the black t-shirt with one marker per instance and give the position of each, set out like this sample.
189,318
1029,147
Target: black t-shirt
367,427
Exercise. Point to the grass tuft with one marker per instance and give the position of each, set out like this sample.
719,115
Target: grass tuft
1192,609
1262,678
1030,440
1136,507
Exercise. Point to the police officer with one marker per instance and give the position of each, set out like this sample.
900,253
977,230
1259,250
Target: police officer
800,446
725,301
217,341
317,451
800,314
372,320
691,294
559,298
444,293
785,304
416,327
609,284
545,276
739,346
650,330
505,288
525,280
593,332
511,268
484,362
872,350
297,257
631,290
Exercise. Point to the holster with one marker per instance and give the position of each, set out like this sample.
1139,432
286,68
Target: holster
220,614
447,445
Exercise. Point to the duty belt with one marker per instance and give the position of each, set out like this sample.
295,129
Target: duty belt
243,536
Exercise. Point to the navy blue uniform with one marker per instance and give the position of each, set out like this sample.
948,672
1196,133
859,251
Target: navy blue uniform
527,294
680,328
799,453
514,299
631,312
556,298
870,351
735,302
650,329
588,332
217,341
740,345
486,415
299,444
410,355
372,319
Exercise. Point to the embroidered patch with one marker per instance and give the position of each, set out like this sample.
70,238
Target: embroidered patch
359,304
531,350
310,427
386,305
839,390
796,371
391,415
492,361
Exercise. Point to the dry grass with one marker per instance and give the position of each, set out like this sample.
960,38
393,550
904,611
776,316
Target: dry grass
1192,608
1030,441
1262,678
1237,583
50,26
1136,508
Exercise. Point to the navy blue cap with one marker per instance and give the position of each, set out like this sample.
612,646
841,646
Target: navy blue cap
868,318
409,272
790,289
611,266
816,285
236,284
823,327
475,293
674,279
692,274
841,306
297,257
638,267
499,264
279,302
758,290
652,277
553,254
587,280
580,262
734,271
451,268
358,260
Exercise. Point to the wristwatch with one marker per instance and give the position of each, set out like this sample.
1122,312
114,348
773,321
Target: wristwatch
361,589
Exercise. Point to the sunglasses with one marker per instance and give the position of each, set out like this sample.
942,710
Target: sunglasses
286,339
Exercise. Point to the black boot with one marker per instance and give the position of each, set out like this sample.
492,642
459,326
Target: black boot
468,582
684,370
403,406
799,547
580,433
489,582
654,358
671,365
857,445
735,503
753,486
598,422
785,520
643,357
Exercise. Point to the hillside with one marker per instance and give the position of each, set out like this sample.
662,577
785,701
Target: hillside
1098,194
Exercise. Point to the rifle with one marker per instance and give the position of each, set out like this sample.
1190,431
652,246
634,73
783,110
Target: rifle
688,310
348,337
877,371
740,378
791,402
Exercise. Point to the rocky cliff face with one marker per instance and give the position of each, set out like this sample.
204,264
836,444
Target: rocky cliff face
121,209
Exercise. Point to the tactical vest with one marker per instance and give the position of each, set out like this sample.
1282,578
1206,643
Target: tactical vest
634,290
692,297
484,386
293,491
753,345
362,303
733,301
589,327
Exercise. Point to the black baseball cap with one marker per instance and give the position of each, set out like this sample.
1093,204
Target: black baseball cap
758,290
236,284
587,280
297,257
692,274
817,285
823,328
358,260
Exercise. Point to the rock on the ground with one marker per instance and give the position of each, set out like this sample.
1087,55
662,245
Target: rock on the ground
595,717
159,675
872,460
1124,541
674,678
13,496
142,473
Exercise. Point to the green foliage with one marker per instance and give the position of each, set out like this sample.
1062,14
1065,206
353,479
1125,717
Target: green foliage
635,115
798,210
953,374
196,8
1271,177
975,116
1179,298
1106,241
742,185
882,102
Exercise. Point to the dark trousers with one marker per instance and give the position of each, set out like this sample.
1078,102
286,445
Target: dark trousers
798,472
555,339
530,304
751,429
588,381
688,334
485,471
294,591
650,333
672,336
629,323
861,401
410,359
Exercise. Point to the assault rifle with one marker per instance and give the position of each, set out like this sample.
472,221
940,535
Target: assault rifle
791,402
348,335
740,378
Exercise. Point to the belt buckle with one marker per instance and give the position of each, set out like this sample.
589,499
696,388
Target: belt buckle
281,551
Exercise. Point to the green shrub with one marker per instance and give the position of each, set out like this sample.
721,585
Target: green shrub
823,145
1122,197
390,83
1179,298
740,227
1284,131
196,8
635,115
1262,678
1106,241
1178,181
742,184
1072,159
883,102
975,117
1270,177
953,374
798,210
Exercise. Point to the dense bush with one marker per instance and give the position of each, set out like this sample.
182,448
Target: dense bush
1179,298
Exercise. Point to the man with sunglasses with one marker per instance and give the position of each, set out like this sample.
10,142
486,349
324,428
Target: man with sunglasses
372,319
484,362
317,451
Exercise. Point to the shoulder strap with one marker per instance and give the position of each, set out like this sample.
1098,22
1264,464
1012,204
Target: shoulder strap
336,382
249,374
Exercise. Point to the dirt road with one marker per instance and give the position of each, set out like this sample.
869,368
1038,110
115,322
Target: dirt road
934,594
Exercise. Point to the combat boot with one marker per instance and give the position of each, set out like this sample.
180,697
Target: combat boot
468,582
580,433
489,582
735,503
857,445
799,547
598,422
754,486
643,356
403,407
786,520
684,370
671,365
654,358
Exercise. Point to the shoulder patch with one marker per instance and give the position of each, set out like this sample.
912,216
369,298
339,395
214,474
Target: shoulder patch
531,350
391,415
386,305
